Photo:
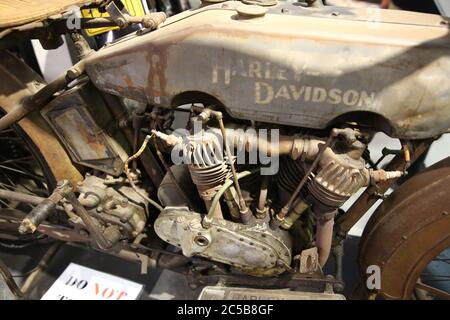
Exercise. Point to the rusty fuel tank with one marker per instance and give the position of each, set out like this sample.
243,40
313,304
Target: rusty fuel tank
290,65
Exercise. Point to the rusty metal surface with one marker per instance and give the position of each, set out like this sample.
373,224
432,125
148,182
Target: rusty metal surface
88,143
293,66
18,81
408,230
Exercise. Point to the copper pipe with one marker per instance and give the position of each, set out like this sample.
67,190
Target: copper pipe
233,206
285,145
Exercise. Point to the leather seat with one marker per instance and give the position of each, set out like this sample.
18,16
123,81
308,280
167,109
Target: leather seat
18,12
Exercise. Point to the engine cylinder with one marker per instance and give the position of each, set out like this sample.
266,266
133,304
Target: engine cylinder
207,165
338,176
340,173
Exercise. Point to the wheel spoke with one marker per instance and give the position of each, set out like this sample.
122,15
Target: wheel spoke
5,204
19,170
6,186
25,160
15,139
11,183
30,175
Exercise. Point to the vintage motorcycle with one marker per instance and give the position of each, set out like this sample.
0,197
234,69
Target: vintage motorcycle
221,142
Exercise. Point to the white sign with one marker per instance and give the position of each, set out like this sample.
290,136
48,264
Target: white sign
81,283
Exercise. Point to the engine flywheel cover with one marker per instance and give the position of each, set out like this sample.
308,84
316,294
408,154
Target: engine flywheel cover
253,249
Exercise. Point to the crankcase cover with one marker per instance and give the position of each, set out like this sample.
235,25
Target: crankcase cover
253,249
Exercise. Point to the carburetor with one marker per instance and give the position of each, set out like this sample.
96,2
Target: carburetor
117,206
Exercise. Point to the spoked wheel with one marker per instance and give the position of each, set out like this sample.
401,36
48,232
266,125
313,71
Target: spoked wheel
21,170
434,282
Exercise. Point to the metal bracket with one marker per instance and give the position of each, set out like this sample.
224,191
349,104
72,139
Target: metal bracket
122,18
308,260
119,16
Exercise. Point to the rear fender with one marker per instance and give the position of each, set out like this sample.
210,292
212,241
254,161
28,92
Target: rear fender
18,81
408,230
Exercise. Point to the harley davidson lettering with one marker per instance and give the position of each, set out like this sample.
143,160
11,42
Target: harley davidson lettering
285,84
266,93
252,69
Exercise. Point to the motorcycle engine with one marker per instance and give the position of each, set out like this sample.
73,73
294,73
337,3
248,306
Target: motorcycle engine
262,243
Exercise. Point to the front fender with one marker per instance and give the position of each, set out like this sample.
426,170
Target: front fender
408,230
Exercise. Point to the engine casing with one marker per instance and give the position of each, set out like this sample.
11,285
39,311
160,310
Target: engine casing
254,249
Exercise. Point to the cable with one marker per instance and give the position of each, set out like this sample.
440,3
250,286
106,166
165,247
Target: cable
127,173
171,175
221,191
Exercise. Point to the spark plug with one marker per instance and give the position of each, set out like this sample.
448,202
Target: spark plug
381,175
